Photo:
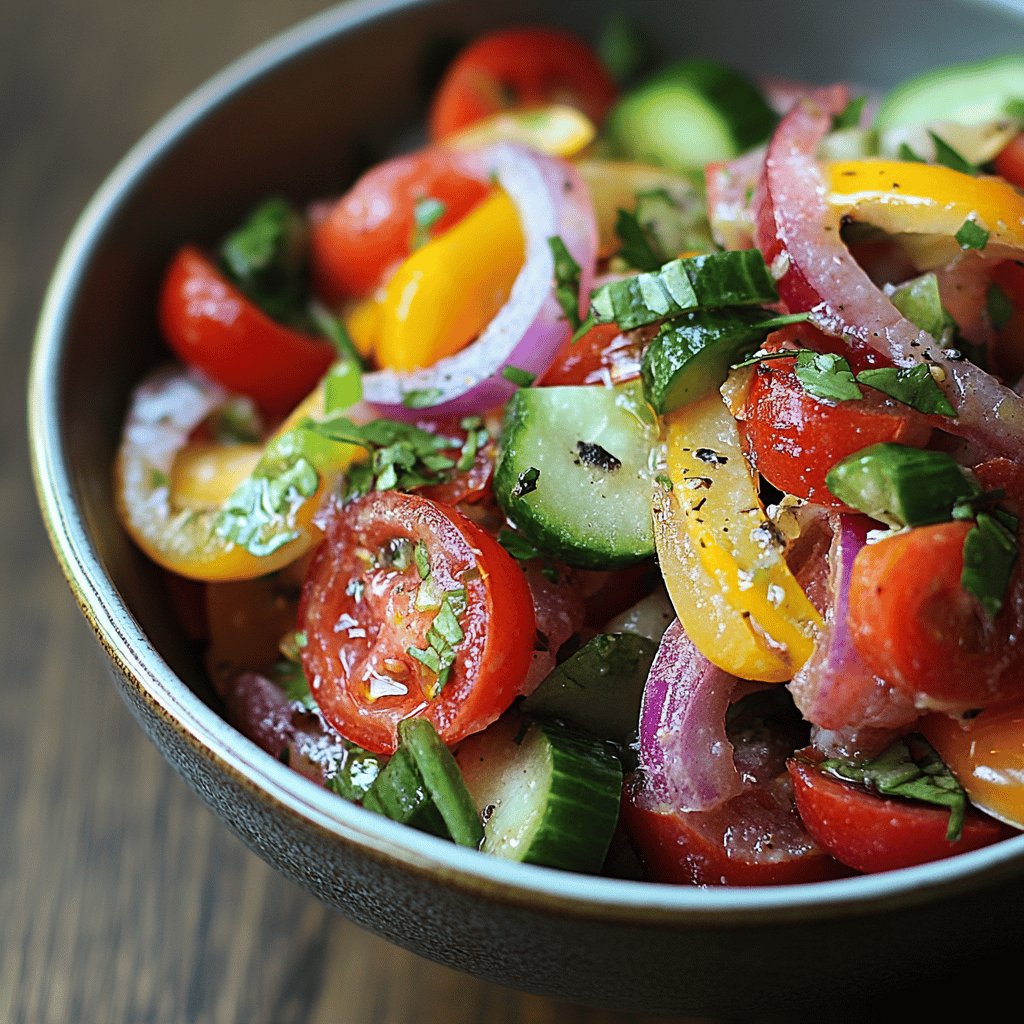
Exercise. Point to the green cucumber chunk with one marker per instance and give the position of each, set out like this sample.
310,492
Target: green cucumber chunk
691,355
691,114
421,786
984,90
713,280
548,794
901,486
599,688
575,473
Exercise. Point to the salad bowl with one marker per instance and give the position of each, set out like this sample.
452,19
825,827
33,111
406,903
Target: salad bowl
300,116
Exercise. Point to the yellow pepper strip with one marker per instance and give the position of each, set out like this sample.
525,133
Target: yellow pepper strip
450,289
556,129
722,559
208,532
906,198
615,184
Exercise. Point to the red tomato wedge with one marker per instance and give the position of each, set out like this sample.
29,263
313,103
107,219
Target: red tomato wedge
793,439
1009,164
917,628
365,606
872,833
356,240
212,326
520,68
604,355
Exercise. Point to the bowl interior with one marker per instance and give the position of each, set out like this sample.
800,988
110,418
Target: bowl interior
299,118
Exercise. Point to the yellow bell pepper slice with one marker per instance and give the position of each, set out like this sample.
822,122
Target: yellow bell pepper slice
220,529
555,129
450,289
722,559
906,198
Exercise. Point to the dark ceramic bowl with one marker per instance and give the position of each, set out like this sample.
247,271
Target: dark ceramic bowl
297,117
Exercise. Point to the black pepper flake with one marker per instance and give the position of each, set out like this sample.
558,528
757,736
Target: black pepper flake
527,482
711,457
700,504
598,457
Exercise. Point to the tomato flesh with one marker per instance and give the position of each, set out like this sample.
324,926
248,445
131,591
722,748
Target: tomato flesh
520,68
356,240
793,439
872,833
360,613
212,326
919,630
604,355
1009,164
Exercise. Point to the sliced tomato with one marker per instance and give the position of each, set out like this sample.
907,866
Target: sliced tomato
872,833
212,326
357,239
604,355
755,838
919,630
793,439
364,610
1009,164
520,68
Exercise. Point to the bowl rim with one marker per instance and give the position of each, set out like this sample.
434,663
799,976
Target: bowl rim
524,885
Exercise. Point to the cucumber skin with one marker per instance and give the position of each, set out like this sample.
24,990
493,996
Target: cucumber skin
585,774
532,522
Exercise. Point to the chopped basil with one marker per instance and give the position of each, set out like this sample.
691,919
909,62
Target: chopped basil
999,307
914,386
526,483
426,213
850,115
443,638
972,235
517,545
664,482
906,153
990,553
947,156
422,398
266,258
567,281
911,770
422,558
521,378
826,376
920,302
639,249
476,437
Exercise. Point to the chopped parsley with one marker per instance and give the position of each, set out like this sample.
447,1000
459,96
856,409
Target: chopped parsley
972,235
914,386
826,376
422,559
849,116
567,281
640,248
521,378
426,213
476,437
443,638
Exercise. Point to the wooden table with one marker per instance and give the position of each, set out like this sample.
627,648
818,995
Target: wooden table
122,898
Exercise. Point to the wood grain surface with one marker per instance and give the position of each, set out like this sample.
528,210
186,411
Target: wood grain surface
122,898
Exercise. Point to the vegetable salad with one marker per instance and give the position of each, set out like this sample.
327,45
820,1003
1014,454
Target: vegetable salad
629,480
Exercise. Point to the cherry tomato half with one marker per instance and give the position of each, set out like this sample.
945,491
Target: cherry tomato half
603,355
354,241
872,833
365,606
793,439
520,68
917,628
212,326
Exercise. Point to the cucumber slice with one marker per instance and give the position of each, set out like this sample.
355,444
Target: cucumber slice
967,93
547,793
421,786
599,688
575,472
691,114
690,357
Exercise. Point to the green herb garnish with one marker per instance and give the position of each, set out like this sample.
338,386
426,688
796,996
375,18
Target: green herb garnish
426,213
826,376
443,638
947,156
567,281
518,546
639,249
972,235
422,559
850,115
521,378
915,387
990,553
911,770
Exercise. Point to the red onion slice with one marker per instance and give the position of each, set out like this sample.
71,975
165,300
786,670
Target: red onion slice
685,754
799,236
528,330
835,689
